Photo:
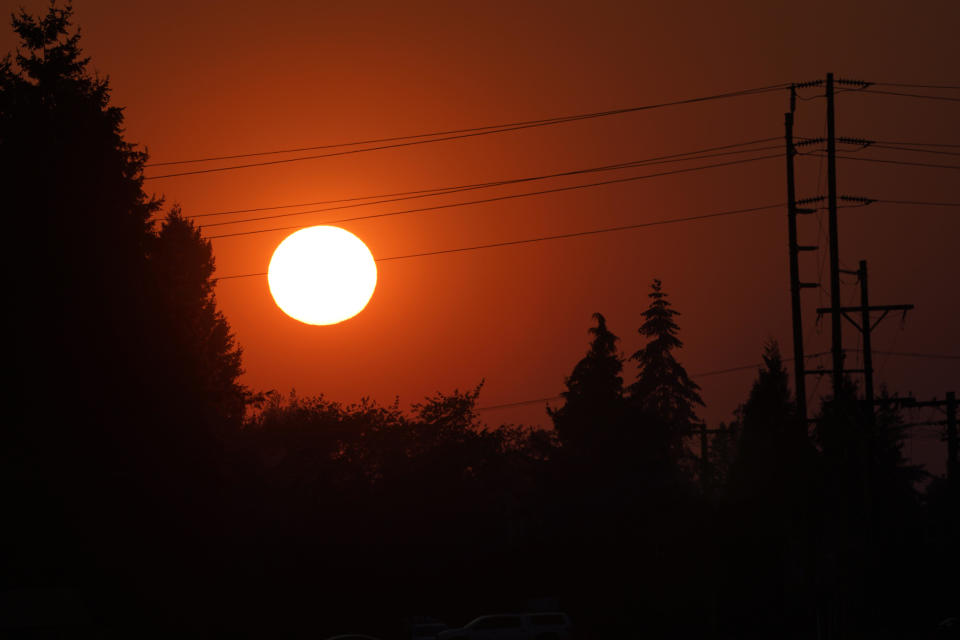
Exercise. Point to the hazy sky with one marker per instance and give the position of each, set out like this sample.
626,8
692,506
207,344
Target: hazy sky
216,78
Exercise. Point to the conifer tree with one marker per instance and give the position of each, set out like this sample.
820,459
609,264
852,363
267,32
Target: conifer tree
593,400
663,393
767,423
202,360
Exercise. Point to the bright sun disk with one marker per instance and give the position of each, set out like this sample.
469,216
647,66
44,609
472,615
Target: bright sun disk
322,275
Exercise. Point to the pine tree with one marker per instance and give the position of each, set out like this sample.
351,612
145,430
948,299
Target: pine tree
593,401
202,360
767,424
663,394
72,189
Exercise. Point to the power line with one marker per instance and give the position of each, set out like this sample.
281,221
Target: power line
900,148
916,86
932,356
704,374
918,144
418,193
559,236
920,203
901,162
506,197
715,372
593,232
911,95
506,182
452,135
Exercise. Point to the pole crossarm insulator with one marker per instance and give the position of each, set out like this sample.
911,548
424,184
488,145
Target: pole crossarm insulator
859,199
863,84
863,142
808,83
810,200
806,142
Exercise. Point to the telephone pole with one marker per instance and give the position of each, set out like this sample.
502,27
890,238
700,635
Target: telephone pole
794,250
865,326
953,466
836,328
949,405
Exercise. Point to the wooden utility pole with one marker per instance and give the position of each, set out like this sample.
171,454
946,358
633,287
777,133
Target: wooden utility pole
953,467
836,327
865,326
866,330
795,248
950,407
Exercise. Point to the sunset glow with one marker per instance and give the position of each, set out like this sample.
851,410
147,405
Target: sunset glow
322,275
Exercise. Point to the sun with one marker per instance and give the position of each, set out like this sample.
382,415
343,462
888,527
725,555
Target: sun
322,275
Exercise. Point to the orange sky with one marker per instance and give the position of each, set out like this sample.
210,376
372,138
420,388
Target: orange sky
212,78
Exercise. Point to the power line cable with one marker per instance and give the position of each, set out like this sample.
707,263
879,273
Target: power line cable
918,144
900,162
500,198
559,236
919,203
910,95
917,86
900,148
703,374
453,134
676,157
509,196
520,403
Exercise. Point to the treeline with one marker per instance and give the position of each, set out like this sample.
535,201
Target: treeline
139,472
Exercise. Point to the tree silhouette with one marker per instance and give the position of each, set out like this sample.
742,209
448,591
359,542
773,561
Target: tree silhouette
593,401
200,356
663,394
74,186
765,422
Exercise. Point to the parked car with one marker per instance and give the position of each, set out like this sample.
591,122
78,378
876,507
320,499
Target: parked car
424,628
524,626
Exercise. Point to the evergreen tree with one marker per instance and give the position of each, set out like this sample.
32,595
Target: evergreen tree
114,322
663,395
201,348
766,422
592,407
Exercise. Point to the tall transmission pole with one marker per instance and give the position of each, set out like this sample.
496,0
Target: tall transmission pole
836,327
794,249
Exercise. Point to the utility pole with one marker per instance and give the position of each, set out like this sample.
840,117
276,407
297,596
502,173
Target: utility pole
953,467
796,285
950,406
865,326
704,460
836,326
865,330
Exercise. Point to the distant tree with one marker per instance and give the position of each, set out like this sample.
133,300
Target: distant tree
766,423
663,396
723,451
593,402
872,508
